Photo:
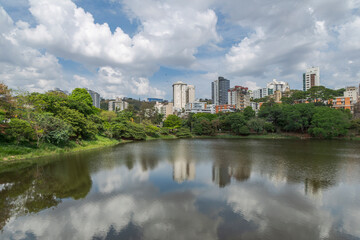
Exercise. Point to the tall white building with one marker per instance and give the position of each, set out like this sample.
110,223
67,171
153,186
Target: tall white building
190,94
275,85
95,97
239,96
311,78
182,94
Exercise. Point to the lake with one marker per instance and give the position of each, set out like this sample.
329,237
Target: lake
188,189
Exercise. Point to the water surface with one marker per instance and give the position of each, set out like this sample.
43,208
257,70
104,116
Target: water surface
188,189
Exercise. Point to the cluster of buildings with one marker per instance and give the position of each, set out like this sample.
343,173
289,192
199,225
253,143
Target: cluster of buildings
229,99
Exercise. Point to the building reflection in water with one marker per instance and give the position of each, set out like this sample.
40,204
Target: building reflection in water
221,175
183,170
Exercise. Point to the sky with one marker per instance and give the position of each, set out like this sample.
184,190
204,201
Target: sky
139,48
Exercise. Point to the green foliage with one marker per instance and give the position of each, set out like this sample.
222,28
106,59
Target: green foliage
20,131
203,126
108,115
269,127
233,122
128,130
183,133
81,95
244,130
256,125
329,123
152,131
164,131
249,113
51,129
207,116
172,122
81,127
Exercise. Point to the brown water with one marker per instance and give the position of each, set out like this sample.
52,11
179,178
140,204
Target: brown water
188,189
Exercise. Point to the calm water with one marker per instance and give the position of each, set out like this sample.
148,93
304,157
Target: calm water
189,189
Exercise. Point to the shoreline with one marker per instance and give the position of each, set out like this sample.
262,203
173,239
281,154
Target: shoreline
103,142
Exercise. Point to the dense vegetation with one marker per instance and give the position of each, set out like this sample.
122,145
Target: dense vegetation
53,118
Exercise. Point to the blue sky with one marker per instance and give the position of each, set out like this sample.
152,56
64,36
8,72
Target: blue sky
138,48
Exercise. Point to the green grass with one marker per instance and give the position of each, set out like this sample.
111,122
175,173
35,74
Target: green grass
16,152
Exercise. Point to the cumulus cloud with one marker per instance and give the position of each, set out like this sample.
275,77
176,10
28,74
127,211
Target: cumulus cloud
23,66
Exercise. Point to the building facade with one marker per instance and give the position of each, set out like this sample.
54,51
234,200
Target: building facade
166,109
182,94
239,96
311,78
155,100
225,108
95,97
117,105
219,91
200,107
352,92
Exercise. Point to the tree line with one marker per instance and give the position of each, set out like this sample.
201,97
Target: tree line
58,119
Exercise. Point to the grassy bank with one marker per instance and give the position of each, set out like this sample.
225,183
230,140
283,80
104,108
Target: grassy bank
251,136
16,152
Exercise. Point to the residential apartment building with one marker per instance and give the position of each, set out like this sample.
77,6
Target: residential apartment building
190,94
219,91
182,94
225,108
200,107
311,78
166,109
117,105
271,88
343,103
352,92
239,96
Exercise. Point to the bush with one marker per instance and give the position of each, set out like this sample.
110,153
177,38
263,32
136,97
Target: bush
152,131
20,131
51,129
203,126
164,131
183,133
129,130
244,130
256,125
269,127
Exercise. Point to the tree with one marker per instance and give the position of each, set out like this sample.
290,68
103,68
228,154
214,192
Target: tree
183,133
81,95
203,126
20,131
249,113
7,103
172,122
329,123
256,125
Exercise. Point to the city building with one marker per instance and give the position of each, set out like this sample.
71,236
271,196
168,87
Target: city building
200,107
155,100
239,96
311,78
190,94
275,85
352,92
343,103
118,105
95,97
166,109
225,108
182,94
271,88
219,91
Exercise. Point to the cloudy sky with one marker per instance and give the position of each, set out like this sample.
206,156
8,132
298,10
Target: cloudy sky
138,48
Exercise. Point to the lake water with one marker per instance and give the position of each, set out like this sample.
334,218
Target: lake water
188,189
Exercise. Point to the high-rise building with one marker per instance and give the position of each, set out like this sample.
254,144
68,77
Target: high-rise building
95,97
352,92
239,96
190,94
219,91
311,78
183,94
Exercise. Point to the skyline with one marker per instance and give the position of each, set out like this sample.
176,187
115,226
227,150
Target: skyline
136,49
